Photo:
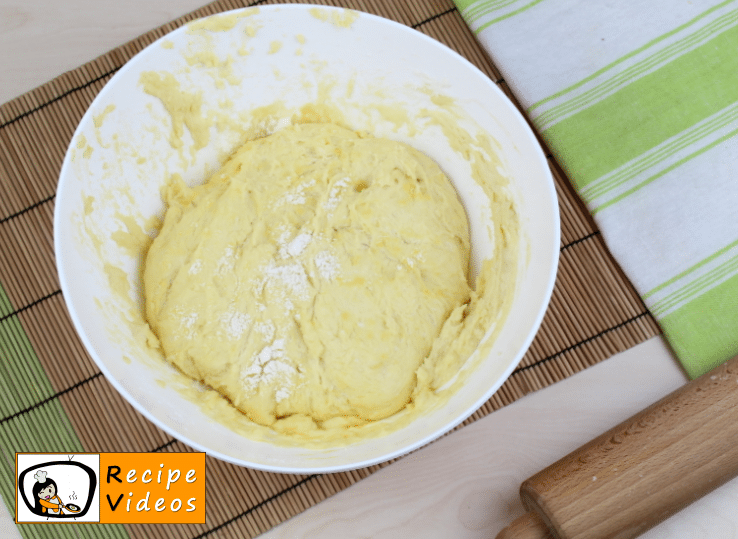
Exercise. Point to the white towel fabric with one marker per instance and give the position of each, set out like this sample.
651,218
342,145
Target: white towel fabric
638,101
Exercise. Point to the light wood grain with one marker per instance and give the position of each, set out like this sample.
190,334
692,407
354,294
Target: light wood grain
645,469
529,526
41,39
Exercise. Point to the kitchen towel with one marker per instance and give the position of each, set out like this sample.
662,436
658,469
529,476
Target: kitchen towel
638,102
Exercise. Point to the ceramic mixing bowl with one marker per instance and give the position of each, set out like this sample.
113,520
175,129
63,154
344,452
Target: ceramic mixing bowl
257,69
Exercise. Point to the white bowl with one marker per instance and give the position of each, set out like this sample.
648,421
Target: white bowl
292,54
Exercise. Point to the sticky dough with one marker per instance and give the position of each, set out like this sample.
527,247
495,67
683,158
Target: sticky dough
310,278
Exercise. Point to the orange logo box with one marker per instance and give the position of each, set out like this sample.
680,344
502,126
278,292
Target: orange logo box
152,488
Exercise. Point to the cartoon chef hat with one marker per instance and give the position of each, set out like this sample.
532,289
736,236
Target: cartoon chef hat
40,476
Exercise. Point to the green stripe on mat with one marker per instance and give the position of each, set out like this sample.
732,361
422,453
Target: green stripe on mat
692,269
624,76
23,381
700,136
26,426
475,11
463,4
482,8
636,187
696,287
659,105
697,330
517,11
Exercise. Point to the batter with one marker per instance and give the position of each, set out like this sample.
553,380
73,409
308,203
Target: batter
313,279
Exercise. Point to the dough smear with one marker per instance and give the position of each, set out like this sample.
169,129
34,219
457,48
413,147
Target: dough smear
309,279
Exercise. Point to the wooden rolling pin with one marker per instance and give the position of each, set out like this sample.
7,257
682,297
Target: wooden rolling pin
639,473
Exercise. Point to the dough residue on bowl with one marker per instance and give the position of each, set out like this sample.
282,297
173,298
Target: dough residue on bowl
318,280
249,351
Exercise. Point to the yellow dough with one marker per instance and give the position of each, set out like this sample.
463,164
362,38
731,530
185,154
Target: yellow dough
309,279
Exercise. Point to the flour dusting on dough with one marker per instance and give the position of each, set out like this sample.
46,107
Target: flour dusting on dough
235,324
269,368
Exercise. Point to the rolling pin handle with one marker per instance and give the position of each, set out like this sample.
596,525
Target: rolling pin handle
645,469
529,526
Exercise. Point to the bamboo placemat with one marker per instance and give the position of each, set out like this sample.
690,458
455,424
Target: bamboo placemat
53,397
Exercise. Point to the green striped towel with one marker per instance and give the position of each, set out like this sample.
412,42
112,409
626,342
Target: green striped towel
638,101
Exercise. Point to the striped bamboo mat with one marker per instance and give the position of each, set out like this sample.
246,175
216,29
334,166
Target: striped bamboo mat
52,396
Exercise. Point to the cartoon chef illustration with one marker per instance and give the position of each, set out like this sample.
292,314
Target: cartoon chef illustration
45,495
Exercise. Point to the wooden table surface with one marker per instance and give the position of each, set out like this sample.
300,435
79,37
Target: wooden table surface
462,486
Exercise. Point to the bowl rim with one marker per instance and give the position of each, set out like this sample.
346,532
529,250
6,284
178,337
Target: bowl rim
448,426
